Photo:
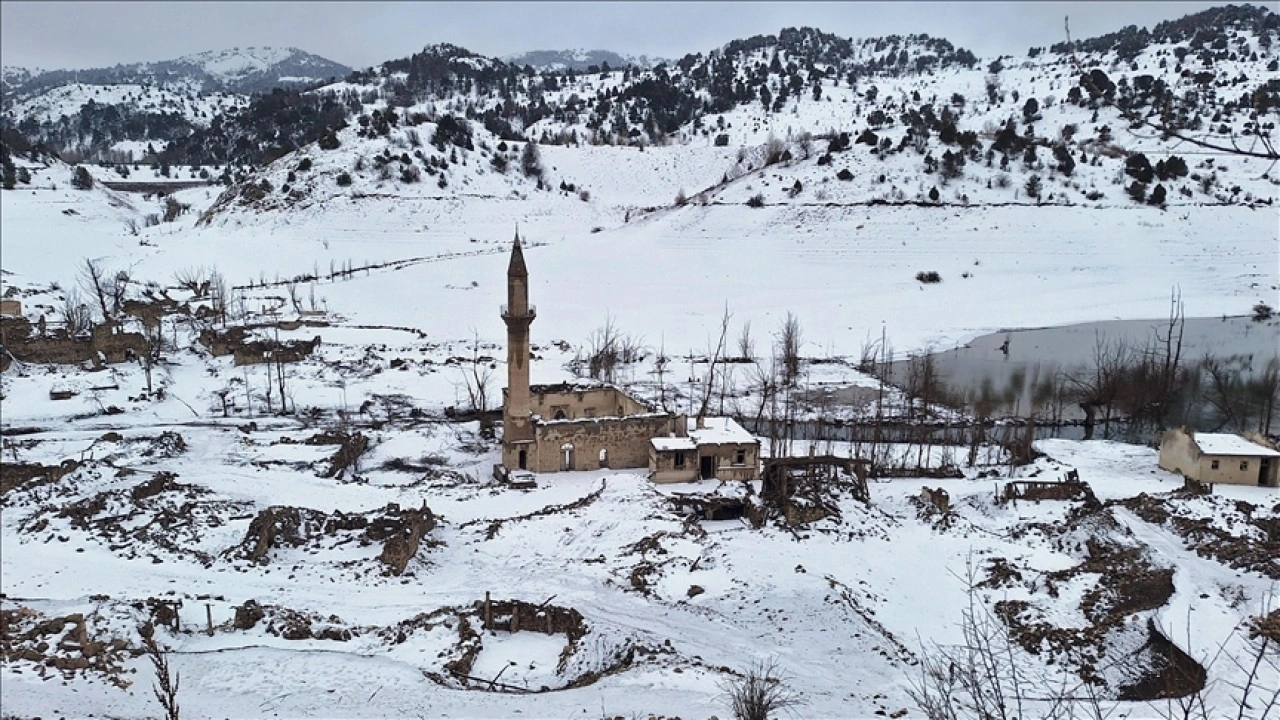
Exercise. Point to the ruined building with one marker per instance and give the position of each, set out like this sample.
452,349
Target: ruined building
550,428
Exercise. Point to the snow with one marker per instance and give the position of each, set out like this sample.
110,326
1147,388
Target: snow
1228,444
673,443
718,431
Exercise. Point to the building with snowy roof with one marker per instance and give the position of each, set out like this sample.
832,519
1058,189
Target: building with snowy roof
588,426
1220,458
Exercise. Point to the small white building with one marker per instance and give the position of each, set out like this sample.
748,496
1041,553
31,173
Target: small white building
1220,458
714,448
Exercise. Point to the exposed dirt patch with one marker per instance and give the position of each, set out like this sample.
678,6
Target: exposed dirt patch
1238,534
155,512
65,645
400,530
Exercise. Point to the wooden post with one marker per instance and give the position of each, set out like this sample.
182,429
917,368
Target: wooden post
208,615
488,612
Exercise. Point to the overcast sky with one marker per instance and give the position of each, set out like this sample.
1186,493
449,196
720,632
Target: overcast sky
70,35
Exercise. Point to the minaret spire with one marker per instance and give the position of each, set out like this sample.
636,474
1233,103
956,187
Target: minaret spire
516,267
518,314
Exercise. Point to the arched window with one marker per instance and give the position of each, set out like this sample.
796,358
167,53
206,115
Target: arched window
559,414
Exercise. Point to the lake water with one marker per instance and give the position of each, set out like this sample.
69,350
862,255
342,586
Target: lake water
1047,353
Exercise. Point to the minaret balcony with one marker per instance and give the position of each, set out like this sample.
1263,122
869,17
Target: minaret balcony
530,312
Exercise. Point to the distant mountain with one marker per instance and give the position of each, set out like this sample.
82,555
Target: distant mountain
240,71
128,113
579,60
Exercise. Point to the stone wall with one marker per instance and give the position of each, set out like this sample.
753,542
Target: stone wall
1232,469
1179,454
725,455
111,340
625,441
662,466
581,404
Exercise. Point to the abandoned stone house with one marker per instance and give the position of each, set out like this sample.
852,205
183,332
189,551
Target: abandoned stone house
104,343
1220,458
553,428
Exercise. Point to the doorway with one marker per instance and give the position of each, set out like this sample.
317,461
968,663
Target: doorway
566,456
1264,472
707,464
523,460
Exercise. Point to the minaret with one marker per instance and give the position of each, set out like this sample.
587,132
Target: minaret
518,314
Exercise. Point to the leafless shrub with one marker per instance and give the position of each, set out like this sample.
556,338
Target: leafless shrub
174,209
194,279
607,349
166,685
775,151
760,692
477,374
980,678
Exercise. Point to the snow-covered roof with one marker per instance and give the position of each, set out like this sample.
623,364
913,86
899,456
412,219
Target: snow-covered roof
669,444
718,431
1228,444
715,431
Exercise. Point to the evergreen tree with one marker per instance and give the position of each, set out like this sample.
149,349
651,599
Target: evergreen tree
82,180
531,161
1034,187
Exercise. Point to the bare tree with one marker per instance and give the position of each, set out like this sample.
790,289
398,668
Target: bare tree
477,375
607,349
93,279
218,295
1265,391
76,315
789,349
760,692
1099,388
746,344
715,357
117,286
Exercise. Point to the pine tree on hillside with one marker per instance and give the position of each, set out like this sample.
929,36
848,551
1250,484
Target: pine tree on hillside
82,180
531,160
